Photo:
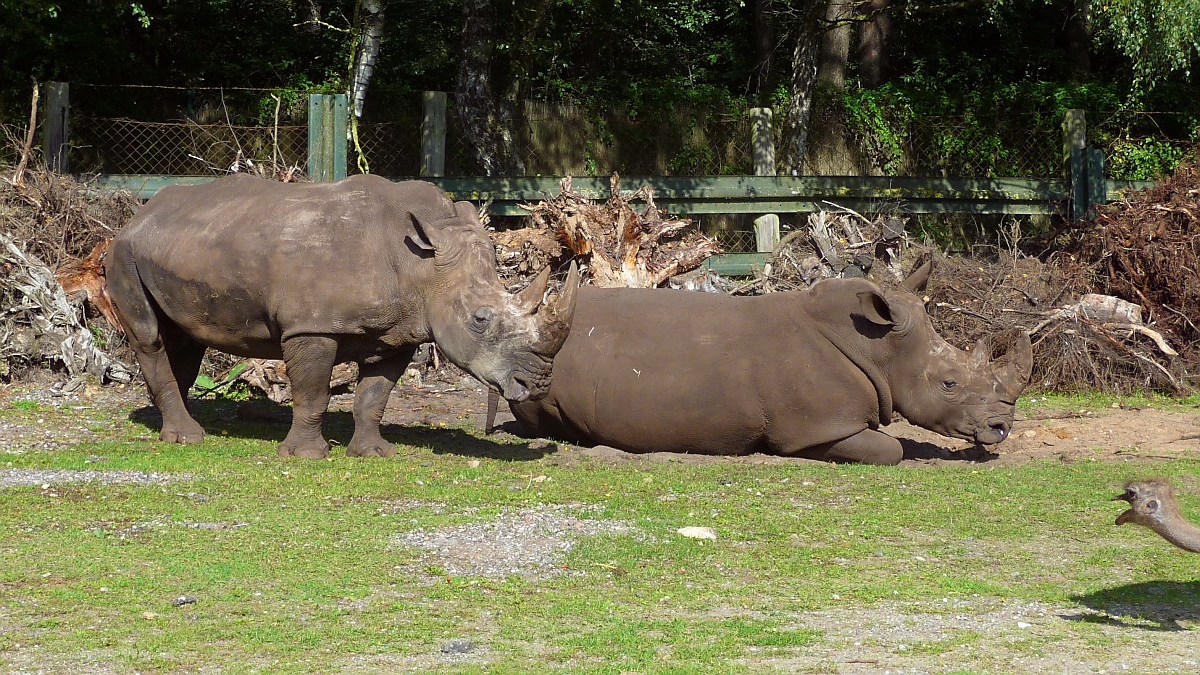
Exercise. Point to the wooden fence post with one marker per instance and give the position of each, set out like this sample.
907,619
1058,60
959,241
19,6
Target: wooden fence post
1074,128
327,119
433,134
762,145
56,128
1088,186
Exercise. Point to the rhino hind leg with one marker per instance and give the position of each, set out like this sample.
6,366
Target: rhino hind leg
154,347
865,447
375,384
309,360
185,355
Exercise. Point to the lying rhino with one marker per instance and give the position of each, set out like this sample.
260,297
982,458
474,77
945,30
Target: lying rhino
360,270
808,374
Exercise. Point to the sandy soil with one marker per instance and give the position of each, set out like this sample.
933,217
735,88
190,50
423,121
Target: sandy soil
1111,434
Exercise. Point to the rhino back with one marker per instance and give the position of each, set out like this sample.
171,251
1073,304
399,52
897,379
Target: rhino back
243,261
656,370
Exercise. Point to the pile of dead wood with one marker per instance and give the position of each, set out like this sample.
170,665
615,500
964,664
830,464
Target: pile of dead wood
615,244
839,243
1146,249
1082,341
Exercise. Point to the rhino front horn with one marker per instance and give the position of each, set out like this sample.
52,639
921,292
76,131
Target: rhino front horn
556,324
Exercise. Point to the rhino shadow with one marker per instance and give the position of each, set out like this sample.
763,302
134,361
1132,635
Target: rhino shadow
1146,605
269,421
926,451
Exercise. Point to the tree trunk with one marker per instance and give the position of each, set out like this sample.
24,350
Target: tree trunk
487,125
370,17
762,77
1077,37
804,79
835,46
872,44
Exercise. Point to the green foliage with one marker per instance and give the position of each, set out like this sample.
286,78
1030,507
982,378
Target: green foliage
880,117
1159,37
1142,159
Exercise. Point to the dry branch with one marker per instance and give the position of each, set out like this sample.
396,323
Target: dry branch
616,245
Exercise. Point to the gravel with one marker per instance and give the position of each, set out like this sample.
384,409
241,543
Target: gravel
46,477
529,542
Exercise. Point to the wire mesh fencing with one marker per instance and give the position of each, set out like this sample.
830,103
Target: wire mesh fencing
124,146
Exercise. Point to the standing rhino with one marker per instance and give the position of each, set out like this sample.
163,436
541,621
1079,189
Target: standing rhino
360,270
808,374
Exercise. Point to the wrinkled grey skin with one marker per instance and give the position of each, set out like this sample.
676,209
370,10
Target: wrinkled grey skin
809,374
360,270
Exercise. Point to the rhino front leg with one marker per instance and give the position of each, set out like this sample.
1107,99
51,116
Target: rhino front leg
310,360
375,384
865,447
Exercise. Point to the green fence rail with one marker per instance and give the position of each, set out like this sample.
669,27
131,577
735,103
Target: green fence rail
749,195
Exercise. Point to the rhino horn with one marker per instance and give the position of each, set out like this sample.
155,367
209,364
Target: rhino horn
557,325
981,354
530,297
1014,368
917,281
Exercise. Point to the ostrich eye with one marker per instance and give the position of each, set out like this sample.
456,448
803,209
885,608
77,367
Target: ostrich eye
1152,505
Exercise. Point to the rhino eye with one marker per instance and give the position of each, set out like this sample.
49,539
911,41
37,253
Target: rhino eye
949,384
481,319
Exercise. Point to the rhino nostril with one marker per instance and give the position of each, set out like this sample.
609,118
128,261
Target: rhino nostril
1000,428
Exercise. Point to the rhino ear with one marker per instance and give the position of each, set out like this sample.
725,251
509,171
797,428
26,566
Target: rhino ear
917,281
875,308
426,234
467,213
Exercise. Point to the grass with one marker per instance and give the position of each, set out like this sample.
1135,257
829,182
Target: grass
302,577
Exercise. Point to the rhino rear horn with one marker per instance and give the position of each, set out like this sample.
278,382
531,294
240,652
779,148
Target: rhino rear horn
1014,368
531,296
558,319
917,281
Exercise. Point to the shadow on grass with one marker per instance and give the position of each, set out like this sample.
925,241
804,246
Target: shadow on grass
268,421
1148,605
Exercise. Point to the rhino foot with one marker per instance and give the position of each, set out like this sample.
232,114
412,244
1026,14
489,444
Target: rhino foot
373,447
312,450
187,433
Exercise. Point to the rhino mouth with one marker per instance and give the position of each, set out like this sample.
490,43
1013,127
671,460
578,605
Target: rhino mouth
522,385
514,389
995,431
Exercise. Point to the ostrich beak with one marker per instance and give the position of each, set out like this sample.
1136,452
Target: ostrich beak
1126,496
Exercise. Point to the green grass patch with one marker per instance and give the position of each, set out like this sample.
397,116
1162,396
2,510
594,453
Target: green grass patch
293,566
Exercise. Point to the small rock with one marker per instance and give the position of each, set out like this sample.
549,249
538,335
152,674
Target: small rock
473,464
1022,624
183,600
459,646
1030,434
692,532
150,615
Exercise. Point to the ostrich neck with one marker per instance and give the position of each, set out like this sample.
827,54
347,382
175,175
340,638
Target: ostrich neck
1181,533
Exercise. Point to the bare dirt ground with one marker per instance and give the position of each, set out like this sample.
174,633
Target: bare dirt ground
1110,434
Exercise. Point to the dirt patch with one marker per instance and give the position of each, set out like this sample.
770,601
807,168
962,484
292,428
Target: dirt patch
45,478
994,635
1109,434
529,543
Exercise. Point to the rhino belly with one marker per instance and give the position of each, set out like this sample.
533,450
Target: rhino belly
648,371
